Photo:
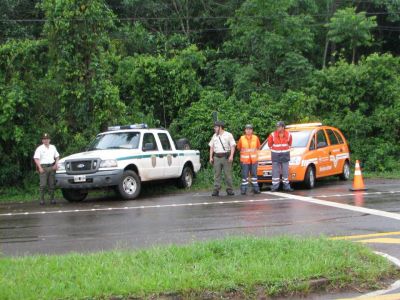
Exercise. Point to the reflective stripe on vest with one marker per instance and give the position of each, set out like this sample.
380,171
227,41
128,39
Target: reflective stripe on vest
280,145
248,152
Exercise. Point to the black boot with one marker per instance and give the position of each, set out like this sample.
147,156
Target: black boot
215,193
41,198
229,192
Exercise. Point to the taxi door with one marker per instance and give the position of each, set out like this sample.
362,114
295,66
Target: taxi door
324,166
336,151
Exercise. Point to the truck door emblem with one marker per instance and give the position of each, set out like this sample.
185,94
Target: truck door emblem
153,161
169,159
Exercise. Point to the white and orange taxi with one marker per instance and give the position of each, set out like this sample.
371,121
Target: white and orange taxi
317,151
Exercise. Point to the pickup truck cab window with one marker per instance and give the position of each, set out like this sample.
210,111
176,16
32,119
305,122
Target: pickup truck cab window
148,139
165,143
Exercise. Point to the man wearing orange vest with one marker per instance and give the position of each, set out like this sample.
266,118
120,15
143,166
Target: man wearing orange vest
280,142
248,146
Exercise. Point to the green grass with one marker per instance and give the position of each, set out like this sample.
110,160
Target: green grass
243,265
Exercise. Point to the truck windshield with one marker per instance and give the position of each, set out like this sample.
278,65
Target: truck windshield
116,140
300,139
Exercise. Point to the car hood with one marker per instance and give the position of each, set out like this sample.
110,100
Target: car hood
102,154
266,154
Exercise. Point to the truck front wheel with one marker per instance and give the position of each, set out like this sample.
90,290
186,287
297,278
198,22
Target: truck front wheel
74,195
130,185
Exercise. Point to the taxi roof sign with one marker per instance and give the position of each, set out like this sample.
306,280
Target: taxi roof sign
304,125
132,126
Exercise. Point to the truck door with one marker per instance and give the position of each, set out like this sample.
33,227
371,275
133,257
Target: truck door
153,164
172,160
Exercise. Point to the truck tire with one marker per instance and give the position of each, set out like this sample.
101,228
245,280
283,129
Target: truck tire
130,185
346,171
186,179
74,195
182,144
309,178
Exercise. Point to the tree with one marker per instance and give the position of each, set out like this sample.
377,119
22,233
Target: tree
159,85
81,56
347,26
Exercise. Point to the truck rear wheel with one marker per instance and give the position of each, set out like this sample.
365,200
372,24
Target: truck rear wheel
186,179
130,185
74,195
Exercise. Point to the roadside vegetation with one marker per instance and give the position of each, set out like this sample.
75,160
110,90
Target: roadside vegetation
73,67
243,267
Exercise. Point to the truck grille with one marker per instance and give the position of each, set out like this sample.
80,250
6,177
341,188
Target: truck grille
82,166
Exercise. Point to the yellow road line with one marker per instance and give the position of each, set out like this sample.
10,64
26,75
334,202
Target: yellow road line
352,237
383,297
381,241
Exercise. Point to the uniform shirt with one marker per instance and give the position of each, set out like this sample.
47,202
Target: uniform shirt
227,140
46,155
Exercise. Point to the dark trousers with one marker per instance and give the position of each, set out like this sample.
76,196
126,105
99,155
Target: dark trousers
249,169
47,180
278,169
222,164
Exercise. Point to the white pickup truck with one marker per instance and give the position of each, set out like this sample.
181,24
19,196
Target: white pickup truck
123,157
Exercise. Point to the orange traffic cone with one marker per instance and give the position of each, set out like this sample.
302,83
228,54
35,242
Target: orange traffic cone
358,183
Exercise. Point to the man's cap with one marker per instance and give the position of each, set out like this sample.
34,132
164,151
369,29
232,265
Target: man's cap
45,136
280,124
219,123
248,126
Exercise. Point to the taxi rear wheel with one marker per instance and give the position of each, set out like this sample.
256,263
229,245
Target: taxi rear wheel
346,171
309,179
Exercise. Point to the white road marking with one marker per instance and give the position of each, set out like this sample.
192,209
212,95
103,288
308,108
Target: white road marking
313,200
394,286
354,194
252,201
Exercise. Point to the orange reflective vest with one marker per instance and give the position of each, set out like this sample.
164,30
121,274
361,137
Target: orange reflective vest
280,146
248,146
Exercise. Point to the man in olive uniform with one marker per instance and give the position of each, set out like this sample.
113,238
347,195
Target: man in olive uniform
46,159
222,149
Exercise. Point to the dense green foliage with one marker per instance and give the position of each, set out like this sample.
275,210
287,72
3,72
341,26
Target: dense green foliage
73,67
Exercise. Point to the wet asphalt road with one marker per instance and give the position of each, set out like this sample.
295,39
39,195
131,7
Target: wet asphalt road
103,224
110,223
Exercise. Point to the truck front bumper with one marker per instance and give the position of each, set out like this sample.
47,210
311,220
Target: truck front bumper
92,181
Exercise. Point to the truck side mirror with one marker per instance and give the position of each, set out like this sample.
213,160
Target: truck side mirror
148,147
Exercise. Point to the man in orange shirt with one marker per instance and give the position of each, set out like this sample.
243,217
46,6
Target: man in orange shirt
248,146
280,142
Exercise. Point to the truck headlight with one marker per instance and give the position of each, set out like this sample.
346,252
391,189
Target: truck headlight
295,161
61,166
108,163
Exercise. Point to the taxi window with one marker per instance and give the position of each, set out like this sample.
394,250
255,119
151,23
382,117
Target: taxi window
321,139
312,145
149,138
299,139
332,137
339,137
166,145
